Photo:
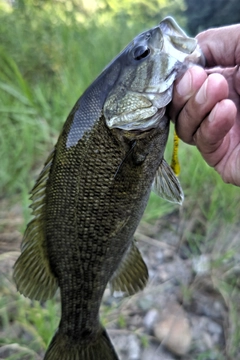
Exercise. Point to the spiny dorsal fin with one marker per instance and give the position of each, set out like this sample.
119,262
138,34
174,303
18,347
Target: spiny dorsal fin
166,185
32,272
132,274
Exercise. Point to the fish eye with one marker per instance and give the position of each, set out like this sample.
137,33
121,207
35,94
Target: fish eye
141,52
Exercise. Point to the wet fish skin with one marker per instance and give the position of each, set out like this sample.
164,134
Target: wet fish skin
93,190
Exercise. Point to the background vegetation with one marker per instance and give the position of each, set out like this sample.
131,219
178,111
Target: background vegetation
204,14
50,51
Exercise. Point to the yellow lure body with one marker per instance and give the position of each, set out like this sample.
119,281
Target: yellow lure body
175,165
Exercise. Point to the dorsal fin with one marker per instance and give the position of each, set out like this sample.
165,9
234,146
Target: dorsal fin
32,272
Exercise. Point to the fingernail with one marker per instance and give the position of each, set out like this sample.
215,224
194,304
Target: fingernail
184,85
201,94
211,116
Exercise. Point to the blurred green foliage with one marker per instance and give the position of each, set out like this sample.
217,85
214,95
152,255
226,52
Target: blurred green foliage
205,14
50,51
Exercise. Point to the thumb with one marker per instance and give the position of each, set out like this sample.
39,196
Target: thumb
221,46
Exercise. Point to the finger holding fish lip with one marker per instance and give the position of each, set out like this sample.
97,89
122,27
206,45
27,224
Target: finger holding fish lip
211,137
194,97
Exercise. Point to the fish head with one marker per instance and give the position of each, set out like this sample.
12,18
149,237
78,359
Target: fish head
149,66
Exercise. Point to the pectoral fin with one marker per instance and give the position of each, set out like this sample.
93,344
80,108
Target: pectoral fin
166,185
132,274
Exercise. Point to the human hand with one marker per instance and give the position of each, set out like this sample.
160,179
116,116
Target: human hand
206,103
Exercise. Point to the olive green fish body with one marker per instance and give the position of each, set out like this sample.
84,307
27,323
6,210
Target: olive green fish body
94,205
94,187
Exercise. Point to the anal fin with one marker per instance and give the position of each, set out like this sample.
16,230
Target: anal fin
132,273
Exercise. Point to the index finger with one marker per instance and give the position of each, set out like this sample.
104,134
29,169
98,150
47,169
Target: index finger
221,46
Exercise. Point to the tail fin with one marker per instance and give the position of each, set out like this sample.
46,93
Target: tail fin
61,347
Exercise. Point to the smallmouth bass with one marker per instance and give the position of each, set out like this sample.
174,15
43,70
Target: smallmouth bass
94,187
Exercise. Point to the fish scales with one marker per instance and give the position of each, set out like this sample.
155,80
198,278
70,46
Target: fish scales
94,187
89,232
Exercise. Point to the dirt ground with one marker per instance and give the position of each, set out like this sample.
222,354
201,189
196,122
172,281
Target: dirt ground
181,314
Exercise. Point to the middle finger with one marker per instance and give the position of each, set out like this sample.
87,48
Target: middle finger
213,90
